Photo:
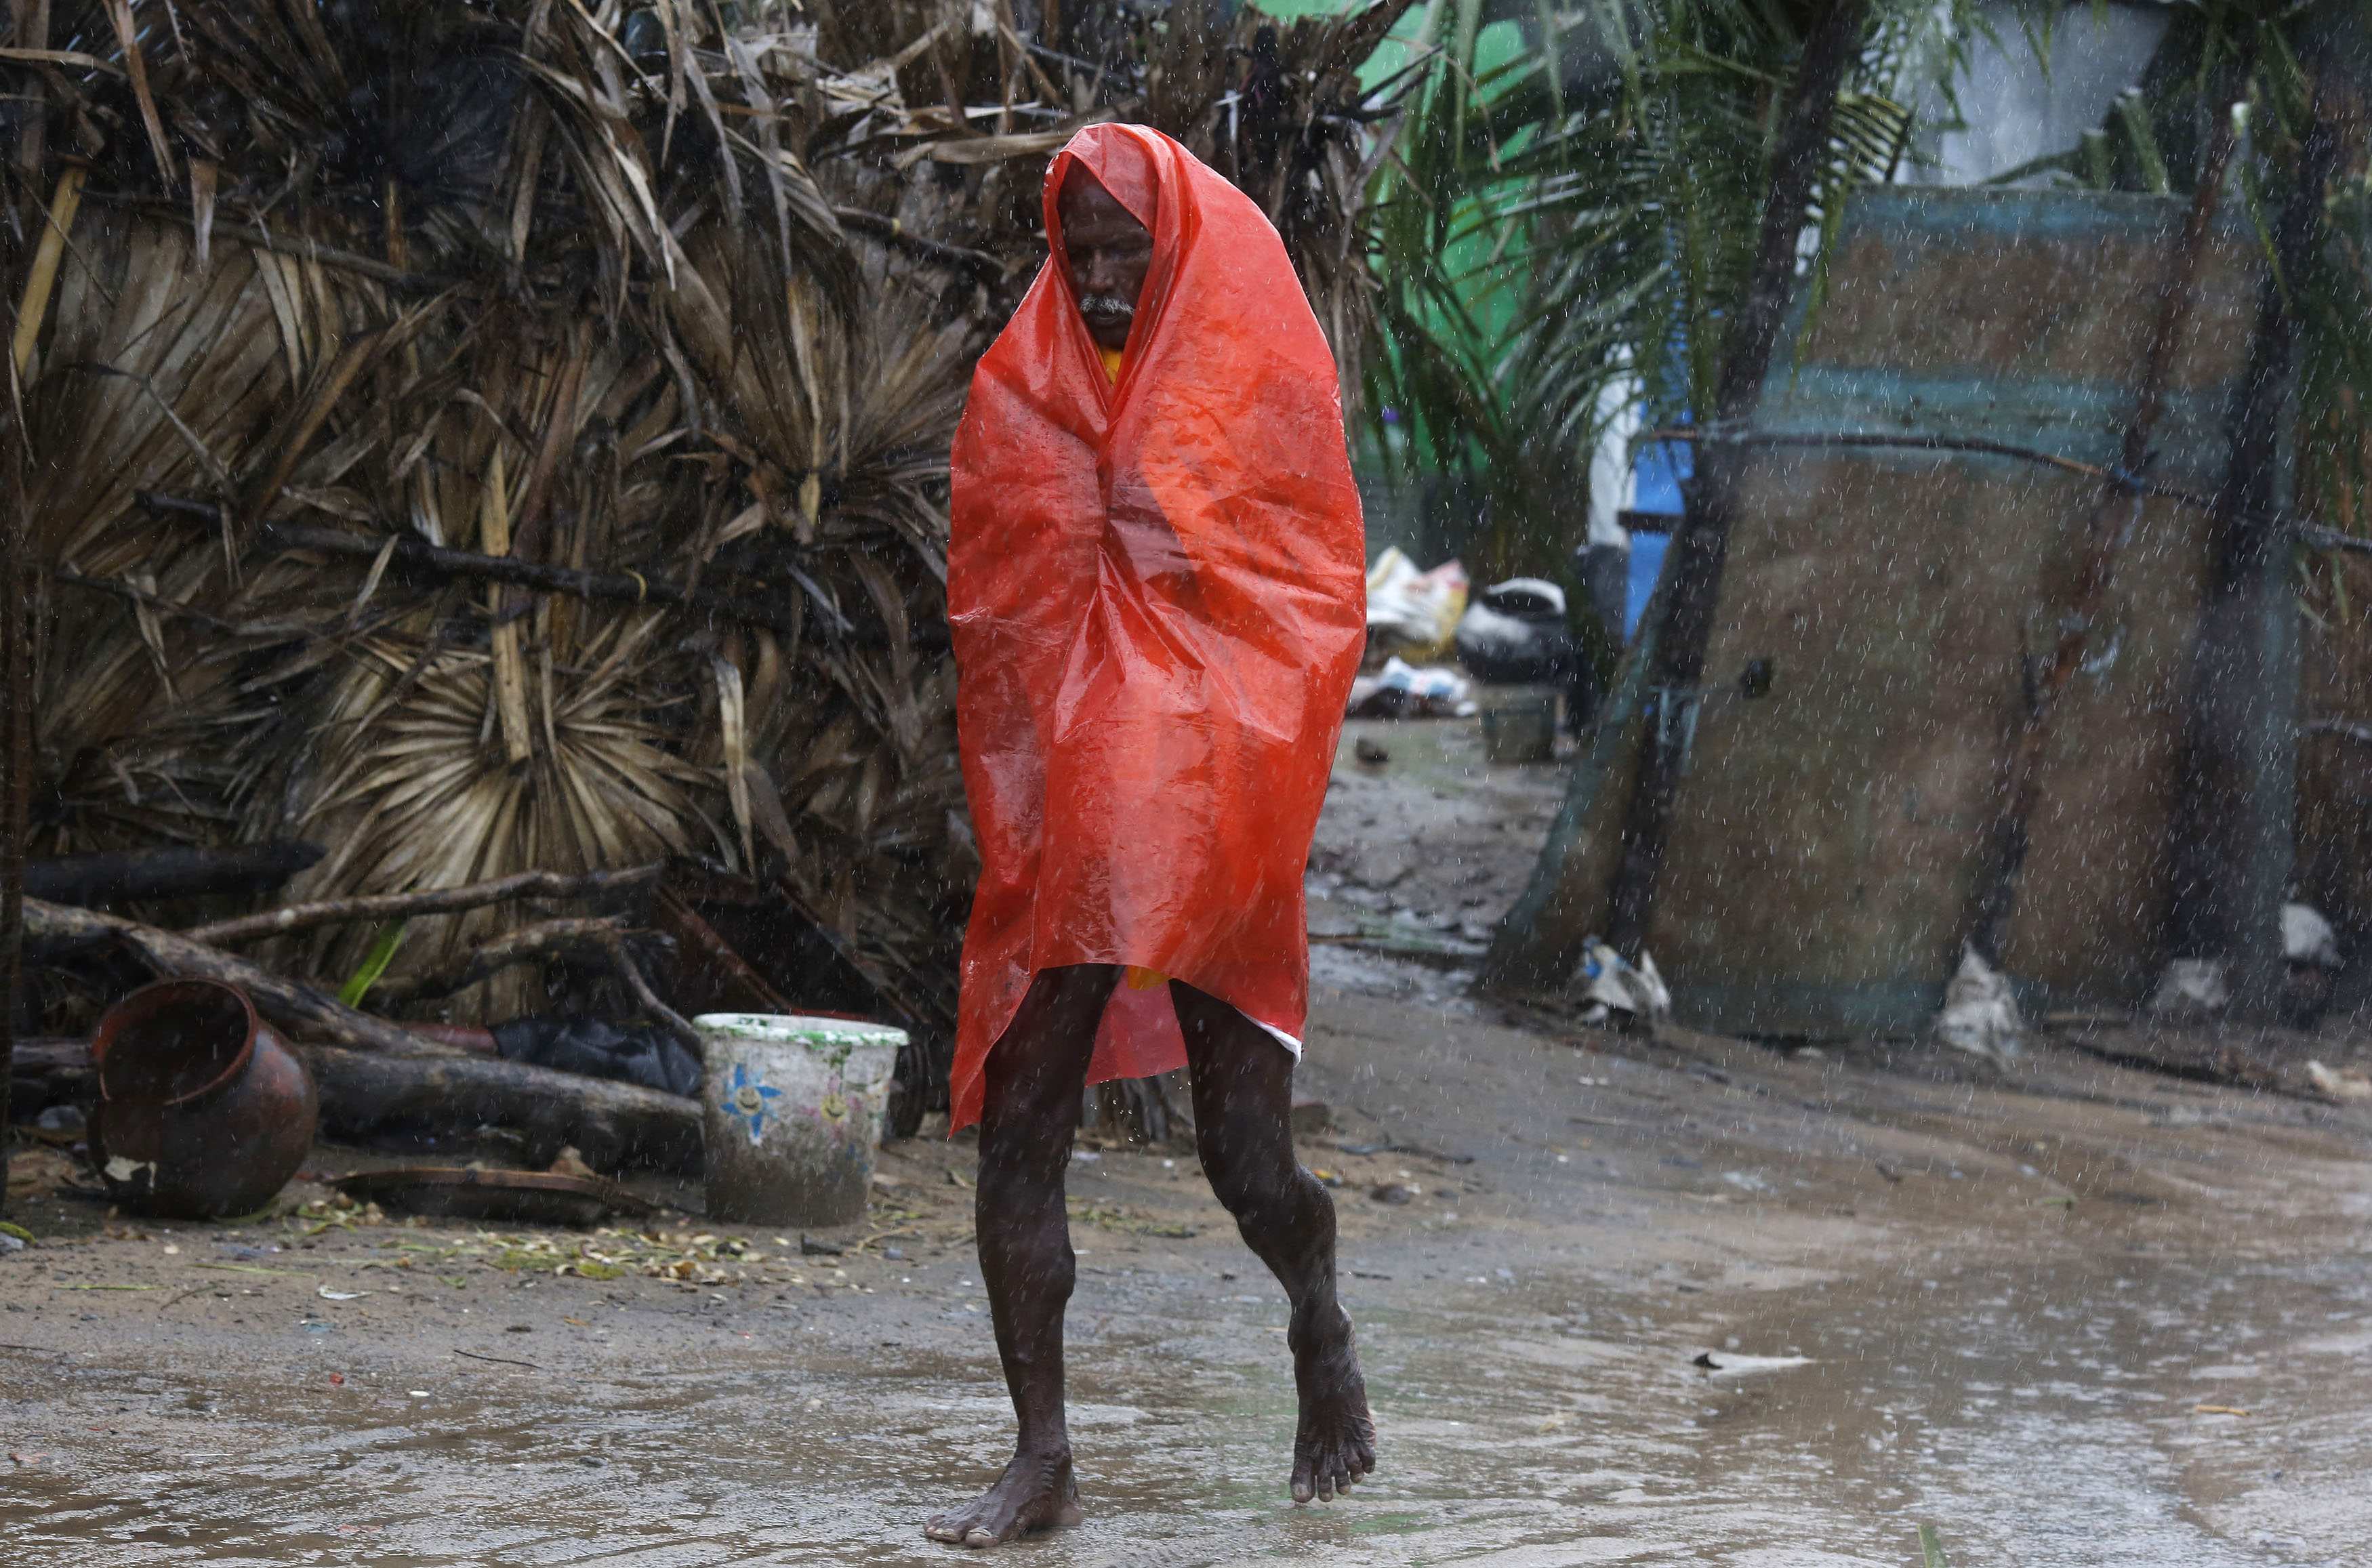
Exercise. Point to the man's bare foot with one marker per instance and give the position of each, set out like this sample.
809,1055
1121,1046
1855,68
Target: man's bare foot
1035,1492
1334,1444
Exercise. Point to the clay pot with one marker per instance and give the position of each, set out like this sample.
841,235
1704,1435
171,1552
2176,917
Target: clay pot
203,1111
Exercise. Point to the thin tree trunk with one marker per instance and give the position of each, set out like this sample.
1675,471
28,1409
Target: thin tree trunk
293,1006
2236,823
16,700
1701,545
1986,930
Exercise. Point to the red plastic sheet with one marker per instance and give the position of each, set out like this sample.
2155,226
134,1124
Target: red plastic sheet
1157,590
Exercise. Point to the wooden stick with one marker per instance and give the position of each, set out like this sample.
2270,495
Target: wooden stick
683,923
417,556
290,1005
1700,546
41,282
1987,923
979,264
436,901
544,939
615,944
507,690
178,871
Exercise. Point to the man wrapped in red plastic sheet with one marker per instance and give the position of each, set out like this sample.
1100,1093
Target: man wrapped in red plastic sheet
1157,582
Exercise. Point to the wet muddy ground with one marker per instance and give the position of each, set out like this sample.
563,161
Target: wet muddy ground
2082,1314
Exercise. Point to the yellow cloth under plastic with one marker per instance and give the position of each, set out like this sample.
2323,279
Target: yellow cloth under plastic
1110,356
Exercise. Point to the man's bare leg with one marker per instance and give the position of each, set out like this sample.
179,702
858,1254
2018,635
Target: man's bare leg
1243,1129
1037,1072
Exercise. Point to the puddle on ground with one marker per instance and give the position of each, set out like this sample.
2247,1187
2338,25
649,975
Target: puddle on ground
2036,1415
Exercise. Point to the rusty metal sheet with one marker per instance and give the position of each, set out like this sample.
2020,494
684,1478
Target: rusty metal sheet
1827,837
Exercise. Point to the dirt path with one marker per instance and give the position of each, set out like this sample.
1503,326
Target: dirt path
2027,1309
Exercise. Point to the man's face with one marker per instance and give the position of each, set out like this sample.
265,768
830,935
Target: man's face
1110,252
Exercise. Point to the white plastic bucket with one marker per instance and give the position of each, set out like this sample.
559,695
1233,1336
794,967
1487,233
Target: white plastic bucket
795,1107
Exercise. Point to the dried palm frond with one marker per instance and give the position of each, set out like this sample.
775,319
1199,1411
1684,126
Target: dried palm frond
410,786
1280,110
592,285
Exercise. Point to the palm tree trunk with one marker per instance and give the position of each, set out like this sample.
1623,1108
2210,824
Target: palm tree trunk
2235,825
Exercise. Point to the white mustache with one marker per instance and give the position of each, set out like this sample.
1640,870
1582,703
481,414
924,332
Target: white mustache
1106,305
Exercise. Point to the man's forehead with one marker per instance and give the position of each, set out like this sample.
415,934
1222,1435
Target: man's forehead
1085,202
1106,169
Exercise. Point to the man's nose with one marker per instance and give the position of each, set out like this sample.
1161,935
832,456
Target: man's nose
1103,272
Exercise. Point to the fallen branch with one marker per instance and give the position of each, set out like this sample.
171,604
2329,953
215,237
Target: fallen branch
532,944
290,1005
979,264
680,921
613,942
180,871
529,944
59,1068
611,1124
437,900
416,556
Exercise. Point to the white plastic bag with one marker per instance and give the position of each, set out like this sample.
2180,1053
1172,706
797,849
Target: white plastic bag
1980,1014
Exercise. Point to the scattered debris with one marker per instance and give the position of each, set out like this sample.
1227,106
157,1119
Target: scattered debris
1392,1193
2190,990
1730,1363
61,1124
1114,1216
1514,633
569,1162
811,1247
1980,1014
2217,1409
326,1293
498,1360
1369,752
534,1197
2345,1084
1310,1117
2308,937
648,1054
1419,1150
1404,692
1616,992
1411,611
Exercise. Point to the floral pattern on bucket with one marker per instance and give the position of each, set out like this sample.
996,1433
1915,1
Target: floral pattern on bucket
745,1098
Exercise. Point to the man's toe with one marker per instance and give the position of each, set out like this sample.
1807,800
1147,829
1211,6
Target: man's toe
980,1536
